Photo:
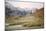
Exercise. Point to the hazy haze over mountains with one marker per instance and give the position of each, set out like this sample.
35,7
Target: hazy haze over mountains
21,8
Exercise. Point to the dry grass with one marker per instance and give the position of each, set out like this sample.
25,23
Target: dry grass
27,21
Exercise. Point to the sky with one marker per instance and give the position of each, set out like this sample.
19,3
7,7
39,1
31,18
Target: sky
28,0
28,5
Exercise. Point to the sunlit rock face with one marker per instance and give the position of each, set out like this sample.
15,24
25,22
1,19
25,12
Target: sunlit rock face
39,12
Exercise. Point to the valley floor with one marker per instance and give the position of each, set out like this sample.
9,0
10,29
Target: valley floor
25,22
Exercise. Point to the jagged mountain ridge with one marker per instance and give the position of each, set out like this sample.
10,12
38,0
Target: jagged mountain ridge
10,10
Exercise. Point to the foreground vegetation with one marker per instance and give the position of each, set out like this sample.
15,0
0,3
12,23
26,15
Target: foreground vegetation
30,20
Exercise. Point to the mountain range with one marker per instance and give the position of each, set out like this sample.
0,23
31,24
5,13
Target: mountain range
10,10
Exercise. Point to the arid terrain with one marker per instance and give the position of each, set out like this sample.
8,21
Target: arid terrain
23,15
35,20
